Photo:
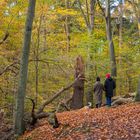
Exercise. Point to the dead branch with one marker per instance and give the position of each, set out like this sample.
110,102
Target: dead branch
102,9
4,38
64,104
8,68
40,114
82,11
33,108
56,95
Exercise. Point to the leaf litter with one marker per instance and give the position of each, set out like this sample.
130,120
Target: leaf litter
119,123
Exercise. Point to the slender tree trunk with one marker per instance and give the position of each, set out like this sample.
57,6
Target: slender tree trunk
120,25
138,15
136,8
89,21
67,26
19,122
37,57
90,29
139,25
92,13
84,16
120,39
44,32
110,40
137,98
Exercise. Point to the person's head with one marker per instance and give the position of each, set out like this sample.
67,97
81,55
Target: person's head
98,78
108,75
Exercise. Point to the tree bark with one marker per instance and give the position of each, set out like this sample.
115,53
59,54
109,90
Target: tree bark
89,21
137,98
19,122
92,13
67,26
78,91
110,40
121,24
37,58
136,7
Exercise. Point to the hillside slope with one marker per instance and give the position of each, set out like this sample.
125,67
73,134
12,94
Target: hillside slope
120,123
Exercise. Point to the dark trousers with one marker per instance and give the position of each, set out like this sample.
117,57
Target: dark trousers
108,101
98,105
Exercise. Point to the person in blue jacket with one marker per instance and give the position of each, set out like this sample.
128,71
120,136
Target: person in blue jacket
109,86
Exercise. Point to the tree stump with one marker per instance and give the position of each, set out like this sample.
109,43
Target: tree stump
78,87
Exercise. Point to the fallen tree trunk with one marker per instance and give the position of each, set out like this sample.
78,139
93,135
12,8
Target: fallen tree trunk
121,101
40,114
56,95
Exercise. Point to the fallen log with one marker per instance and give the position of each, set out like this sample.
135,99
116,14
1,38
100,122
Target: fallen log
121,101
40,114
41,108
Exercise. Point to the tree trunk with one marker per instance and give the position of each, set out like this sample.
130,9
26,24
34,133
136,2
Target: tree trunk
90,27
37,58
139,25
121,24
44,32
137,98
136,8
19,122
78,95
110,40
121,11
92,13
67,26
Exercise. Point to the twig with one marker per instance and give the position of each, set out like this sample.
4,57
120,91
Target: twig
4,38
7,68
103,13
82,11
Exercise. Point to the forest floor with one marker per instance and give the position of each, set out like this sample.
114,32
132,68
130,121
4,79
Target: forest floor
119,123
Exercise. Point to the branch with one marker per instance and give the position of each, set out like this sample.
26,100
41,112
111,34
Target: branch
56,95
102,9
82,11
4,38
64,104
33,108
7,68
87,11
42,115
